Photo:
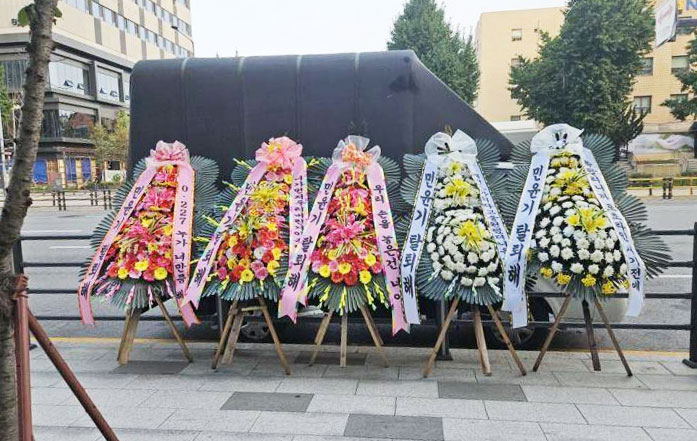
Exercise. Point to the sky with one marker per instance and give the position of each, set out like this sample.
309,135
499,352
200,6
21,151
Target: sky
227,28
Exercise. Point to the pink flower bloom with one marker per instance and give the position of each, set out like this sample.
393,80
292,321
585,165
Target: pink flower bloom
280,152
257,265
260,273
333,265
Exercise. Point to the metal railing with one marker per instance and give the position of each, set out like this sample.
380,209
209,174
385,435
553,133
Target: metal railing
61,198
20,264
665,184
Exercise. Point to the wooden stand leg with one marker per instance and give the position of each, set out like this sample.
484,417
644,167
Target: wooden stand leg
23,368
591,336
344,339
70,379
234,336
611,333
225,334
319,338
129,334
374,334
481,341
274,336
552,331
504,336
441,337
174,330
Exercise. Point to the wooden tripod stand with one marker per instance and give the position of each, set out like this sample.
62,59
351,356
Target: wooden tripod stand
25,322
589,333
479,335
131,325
231,333
369,322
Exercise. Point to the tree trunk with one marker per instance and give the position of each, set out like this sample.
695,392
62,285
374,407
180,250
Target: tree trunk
17,199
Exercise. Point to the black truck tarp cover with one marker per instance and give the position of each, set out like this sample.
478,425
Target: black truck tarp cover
223,108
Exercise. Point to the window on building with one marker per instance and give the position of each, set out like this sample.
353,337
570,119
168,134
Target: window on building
678,96
70,77
516,34
109,85
679,64
131,27
14,74
141,32
642,104
79,4
109,16
516,117
121,22
61,123
96,10
685,27
646,66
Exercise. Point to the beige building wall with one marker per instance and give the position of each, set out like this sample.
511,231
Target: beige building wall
496,49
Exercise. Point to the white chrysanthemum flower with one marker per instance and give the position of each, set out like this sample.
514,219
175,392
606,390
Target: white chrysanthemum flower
431,247
544,242
434,257
597,256
617,255
549,179
555,210
485,257
471,269
579,235
599,244
583,254
583,244
493,280
492,267
557,238
472,258
623,269
577,198
609,243
609,258
608,272
482,272
540,233
458,257
437,266
466,281
460,267
544,222
439,239
557,267
554,230
576,268
613,235
593,269
567,204
602,234
543,257
568,231
554,192
567,253
479,281
554,250
558,221
547,206
566,242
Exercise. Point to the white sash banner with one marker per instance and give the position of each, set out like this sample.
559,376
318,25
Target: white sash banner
555,138
442,149
636,270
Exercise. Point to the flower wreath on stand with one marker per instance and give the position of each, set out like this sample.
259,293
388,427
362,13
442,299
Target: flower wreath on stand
260,216
348,256
143,248
456,221
575,225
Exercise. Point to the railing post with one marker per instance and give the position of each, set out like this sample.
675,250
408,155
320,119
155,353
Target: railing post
692,361
110,204
104,195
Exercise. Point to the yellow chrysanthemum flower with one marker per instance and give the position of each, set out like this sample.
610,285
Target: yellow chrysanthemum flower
333,254
160,273
152,247
589,280
370,259
574,220
454,167
288,179
458,188
146,221
471,232
244,262
547,273
272,226
232,241
276,253
365,277
168,254
324,271
563,279
123,273
272,267
246,275
608,288
344,268
167,230
141,265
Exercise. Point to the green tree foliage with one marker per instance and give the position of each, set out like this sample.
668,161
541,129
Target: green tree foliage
111,143
5,103
447,53
584,75
683,108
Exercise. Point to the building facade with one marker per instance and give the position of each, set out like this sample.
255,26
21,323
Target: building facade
97,42
501,37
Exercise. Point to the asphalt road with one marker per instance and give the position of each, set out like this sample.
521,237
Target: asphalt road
679,213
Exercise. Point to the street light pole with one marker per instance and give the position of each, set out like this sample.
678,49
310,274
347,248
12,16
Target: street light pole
3,169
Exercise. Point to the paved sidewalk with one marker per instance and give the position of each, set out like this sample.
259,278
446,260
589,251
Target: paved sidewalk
160,397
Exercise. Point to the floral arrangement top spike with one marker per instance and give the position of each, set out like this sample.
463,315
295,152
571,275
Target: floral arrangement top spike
255,226
145,245
569,229
456,220
348,255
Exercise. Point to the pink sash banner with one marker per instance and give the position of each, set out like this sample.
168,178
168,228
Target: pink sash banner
387,244
164,154
205,263
298,207
299,258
